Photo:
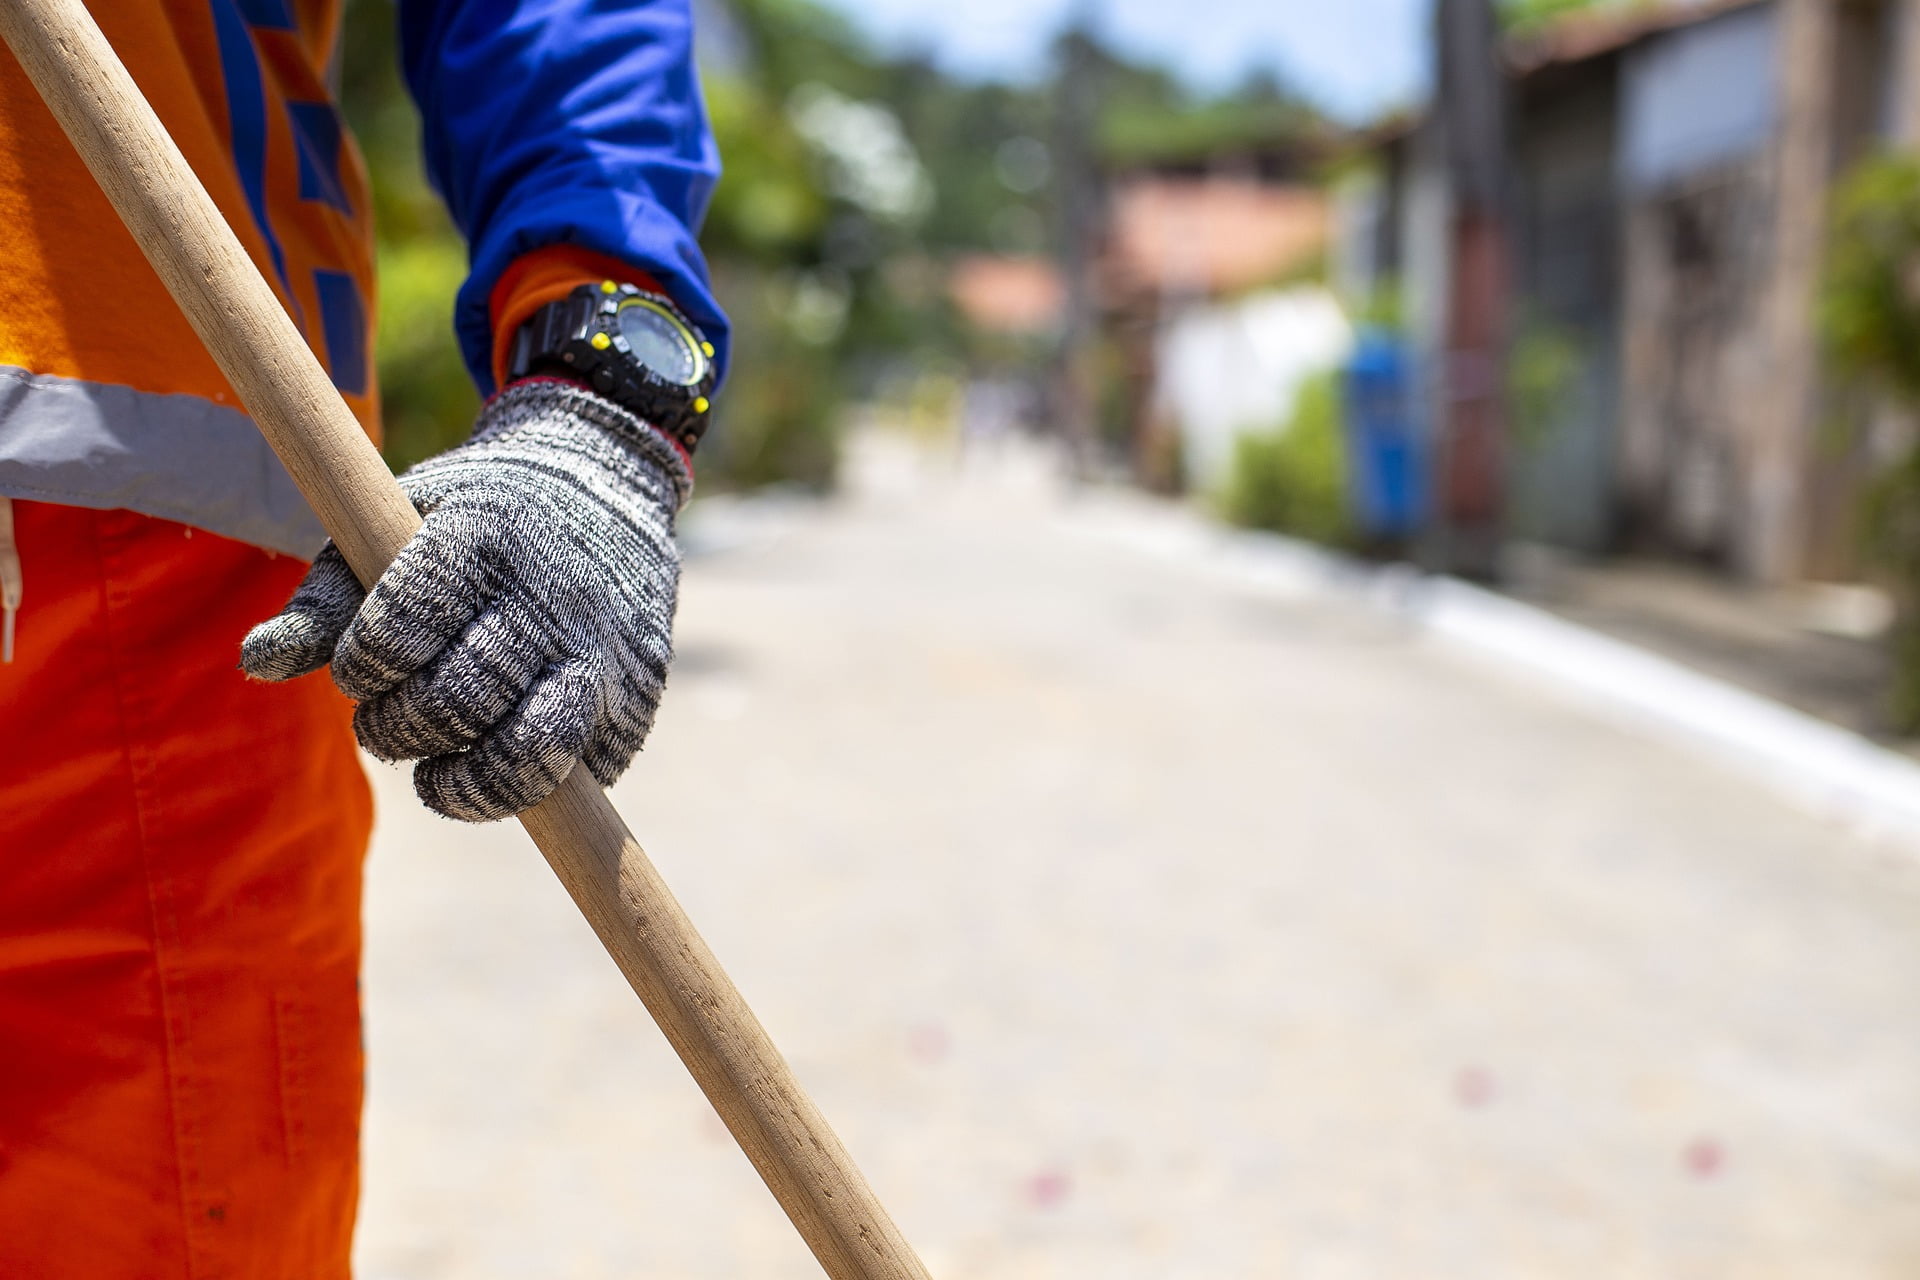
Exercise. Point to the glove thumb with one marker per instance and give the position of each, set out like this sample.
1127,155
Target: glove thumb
301,637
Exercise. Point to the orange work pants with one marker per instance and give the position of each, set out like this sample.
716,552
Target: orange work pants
180,857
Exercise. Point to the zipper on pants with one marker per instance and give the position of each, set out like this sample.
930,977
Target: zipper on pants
9,579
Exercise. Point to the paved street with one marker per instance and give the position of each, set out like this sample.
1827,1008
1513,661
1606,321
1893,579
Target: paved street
1131,921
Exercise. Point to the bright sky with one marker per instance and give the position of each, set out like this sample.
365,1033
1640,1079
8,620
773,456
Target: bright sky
1357,58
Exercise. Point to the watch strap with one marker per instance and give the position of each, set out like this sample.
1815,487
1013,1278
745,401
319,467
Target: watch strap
548,329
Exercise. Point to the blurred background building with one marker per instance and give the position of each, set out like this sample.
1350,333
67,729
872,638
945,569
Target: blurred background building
1670,171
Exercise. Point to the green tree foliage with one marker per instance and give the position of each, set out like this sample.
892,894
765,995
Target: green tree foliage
823,194
1523,16
1294,479
1870,297
427,398
1149,118
1870,319
770,209
1890,525
1543,370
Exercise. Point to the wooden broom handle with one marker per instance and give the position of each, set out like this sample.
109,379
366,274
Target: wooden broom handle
238,316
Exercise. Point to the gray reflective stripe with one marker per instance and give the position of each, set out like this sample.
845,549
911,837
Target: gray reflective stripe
179,457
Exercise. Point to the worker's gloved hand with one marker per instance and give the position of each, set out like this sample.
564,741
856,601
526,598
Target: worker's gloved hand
526,626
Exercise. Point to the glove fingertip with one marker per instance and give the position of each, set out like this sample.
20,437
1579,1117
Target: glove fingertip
285,647
607,760
301,638
370,731
523,760
448,786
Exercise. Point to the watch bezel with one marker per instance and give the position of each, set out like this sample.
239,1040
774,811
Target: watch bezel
682,329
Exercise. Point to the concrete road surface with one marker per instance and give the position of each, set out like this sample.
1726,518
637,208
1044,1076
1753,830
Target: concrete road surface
1129,922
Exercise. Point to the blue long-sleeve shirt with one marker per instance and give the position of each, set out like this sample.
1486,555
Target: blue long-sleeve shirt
565,122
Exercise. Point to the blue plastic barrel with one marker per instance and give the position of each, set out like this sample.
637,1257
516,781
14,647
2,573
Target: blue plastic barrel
1385,476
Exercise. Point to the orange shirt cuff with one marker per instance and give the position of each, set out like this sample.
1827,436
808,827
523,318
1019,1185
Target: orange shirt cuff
543,276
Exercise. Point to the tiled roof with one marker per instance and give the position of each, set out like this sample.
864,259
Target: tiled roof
1214,234
1005,294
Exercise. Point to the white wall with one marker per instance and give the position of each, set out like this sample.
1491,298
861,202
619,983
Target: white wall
1699,97
1226,368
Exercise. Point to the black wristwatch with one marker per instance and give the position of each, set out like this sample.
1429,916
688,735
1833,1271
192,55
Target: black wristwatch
632,346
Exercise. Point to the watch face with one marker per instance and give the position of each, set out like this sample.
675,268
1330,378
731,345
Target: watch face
661,343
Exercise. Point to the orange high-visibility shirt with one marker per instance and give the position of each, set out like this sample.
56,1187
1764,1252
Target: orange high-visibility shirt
106,396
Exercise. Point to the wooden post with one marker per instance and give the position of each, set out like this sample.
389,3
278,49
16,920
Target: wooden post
1081,189
238,316
1906,74
1774,542
1470,461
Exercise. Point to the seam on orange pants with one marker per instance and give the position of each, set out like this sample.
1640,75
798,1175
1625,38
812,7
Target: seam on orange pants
159,907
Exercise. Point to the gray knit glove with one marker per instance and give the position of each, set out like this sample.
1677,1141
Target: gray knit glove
526,626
